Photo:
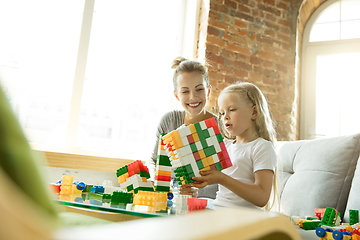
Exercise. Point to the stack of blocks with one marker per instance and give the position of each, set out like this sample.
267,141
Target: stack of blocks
150,201
66,185
163,169
194,148
134,177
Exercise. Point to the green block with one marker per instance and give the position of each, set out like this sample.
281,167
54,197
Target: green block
209,151
189,169
206,133
121,171
219,138
129,188
311,225
218,166
145,174
193,147
329,217
353,217
200,164
163,160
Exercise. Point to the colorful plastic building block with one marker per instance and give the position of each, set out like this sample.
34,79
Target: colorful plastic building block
163,169
195,204
331,217
181,204
78,187
196,148
134,177
66,185
354,216
154,201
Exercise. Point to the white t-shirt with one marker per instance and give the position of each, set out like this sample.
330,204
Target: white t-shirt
246,159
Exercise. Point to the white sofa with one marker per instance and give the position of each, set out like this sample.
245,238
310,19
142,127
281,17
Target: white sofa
318,174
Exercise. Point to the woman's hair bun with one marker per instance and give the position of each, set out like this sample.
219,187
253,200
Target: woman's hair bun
176,62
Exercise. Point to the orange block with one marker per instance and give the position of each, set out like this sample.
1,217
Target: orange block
163,173
202,154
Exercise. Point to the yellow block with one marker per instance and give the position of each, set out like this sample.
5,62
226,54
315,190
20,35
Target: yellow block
192,128
205,169
163,173
196,137
210,160
202,154
177,139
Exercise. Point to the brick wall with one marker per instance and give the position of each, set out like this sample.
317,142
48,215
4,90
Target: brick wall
255,41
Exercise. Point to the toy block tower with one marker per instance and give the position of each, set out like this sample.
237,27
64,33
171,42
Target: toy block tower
194,148
163,169
133,177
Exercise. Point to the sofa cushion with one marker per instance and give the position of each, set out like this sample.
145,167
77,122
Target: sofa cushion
316,173
354,195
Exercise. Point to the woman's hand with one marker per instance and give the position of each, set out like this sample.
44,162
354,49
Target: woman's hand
188,189
208,178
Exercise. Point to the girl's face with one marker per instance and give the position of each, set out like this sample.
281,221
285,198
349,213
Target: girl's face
237,114
192,92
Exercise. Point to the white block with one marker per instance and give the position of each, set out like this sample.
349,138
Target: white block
203,125
163,168
211,131
184,131
185,141
198,145
215,158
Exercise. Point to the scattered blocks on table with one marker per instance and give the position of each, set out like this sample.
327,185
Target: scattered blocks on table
331,217
196,148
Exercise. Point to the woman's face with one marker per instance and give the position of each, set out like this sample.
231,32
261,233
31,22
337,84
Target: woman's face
192,92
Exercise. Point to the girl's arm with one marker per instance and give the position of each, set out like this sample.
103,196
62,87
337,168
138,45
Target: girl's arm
257,193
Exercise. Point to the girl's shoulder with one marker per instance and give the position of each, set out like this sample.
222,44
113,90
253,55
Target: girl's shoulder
174,114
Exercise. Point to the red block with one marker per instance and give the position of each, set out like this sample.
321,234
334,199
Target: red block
195,204
222,146
163,178
213,167
196,156
211,122
190,139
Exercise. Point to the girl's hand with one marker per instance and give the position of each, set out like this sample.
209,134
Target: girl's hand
188,189
208,178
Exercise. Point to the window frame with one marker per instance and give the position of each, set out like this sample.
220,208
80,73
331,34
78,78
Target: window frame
308,80
188,32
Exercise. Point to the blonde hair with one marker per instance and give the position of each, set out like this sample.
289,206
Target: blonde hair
181,64
265,125
263,122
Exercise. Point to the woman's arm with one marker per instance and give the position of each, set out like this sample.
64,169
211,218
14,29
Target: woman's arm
257,193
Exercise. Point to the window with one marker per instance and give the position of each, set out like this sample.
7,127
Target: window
93,77
330,75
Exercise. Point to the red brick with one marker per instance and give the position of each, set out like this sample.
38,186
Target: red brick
255,60
231,4
269,81
214,58
231,79
239,49
228,37
270,32
214,15
284,23
240,23
243,8
283,37
213,31
281,68
215,76
242,57
268,49
239,40
243,33
271,10
226,70
218,7
268,56
228,54
241,73
212,49
243,66
215,41
268,64
252,36
282,6
272,25
217,23
269,2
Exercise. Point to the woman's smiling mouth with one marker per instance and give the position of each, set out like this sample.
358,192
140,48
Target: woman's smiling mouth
193,105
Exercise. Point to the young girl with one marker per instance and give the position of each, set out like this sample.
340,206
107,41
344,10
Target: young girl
191,89
249,137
